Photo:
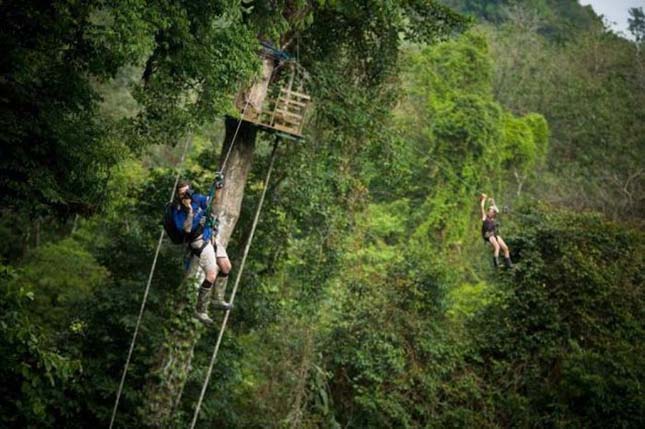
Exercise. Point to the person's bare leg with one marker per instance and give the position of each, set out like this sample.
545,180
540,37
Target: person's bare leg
507,254
208,264
224,265
496,247
503,246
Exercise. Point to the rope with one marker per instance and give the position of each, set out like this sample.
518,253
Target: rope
147,290
239,122
237,130
211,192
159,243
235,286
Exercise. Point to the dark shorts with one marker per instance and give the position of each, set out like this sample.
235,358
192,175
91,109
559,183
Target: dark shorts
486,238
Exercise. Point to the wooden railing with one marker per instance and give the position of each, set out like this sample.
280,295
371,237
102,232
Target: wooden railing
286,113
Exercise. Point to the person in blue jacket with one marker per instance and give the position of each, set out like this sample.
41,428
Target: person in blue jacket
190,216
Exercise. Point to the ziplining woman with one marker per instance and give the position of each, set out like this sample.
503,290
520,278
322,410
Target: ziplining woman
489,231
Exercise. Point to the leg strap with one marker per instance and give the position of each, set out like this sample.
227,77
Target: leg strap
197,252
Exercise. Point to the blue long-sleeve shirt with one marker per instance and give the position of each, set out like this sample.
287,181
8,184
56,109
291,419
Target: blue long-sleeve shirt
199,205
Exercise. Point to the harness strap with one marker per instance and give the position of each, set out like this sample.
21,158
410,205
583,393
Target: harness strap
197,251
194,235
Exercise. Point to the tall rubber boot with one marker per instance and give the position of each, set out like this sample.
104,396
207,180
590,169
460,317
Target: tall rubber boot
220,289
201,309
496,261
508,263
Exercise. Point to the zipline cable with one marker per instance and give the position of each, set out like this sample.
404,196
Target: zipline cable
239,122
154,261
147,290
158,249
237,282
237,130
234,138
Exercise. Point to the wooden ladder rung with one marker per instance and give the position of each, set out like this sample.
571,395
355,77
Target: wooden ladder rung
288,113
291,101
292,130
296,94
286,120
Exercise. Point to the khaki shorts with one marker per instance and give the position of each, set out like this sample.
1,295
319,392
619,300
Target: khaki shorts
208,257
221,250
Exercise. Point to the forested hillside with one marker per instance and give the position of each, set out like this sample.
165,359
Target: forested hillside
368,298
557,58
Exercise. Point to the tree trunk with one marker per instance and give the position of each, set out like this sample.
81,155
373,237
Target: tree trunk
174,358
251,101
236,172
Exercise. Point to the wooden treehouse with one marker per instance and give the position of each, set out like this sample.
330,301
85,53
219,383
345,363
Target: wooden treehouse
277,102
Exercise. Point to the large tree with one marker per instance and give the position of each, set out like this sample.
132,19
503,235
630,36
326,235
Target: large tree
351,43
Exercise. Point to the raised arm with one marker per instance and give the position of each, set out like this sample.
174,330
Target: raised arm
493,205
201,200
187,227
482,203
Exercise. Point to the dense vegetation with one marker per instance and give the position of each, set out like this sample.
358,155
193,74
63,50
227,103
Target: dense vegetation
369,299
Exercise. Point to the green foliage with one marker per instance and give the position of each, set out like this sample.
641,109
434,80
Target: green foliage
467,142
201,56
590,91
49,107
563,342
466,300
525,142
368,299
35,375
58,145
60,277
559,19
556,342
